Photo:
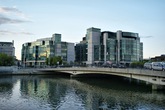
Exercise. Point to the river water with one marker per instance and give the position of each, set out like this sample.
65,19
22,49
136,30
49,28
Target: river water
85,93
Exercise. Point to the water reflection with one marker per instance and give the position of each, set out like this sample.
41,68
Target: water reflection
52,92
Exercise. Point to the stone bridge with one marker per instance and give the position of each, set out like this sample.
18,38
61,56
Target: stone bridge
157,78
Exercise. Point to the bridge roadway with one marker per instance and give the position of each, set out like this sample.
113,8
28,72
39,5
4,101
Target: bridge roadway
149,76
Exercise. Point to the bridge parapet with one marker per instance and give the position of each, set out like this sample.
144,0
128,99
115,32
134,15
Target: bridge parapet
114,70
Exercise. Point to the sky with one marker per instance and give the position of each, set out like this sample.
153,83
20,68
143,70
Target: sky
28,20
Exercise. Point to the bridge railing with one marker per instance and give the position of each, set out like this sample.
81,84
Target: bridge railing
117,70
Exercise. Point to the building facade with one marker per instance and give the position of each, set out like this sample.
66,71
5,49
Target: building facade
113,47
7,48
35,53
81,52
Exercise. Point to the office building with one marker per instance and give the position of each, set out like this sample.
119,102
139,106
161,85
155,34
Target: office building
81,52
35,53
113,47
7,48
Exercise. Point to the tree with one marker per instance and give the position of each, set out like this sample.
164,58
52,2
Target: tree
6,60
65,63
59,60
51,61
47,61
138,64
54,60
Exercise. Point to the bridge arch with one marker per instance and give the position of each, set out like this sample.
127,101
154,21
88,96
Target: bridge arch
150,77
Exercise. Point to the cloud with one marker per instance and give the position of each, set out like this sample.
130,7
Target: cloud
10,15
12,10
26,33
6,20
5,32
9,9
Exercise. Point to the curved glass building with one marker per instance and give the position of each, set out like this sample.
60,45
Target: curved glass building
35,53
113,47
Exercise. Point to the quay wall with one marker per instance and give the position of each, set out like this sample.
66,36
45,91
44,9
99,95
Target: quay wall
8,69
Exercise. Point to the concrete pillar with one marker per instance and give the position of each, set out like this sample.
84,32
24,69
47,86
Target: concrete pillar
119,36
158,87
105,36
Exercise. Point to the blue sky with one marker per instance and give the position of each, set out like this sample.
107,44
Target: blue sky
27,20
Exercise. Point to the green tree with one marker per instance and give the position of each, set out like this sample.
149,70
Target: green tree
65,63
53,60
138,64
59,60
47,61
6,60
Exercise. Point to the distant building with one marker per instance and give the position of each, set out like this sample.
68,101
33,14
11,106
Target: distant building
158,58
35,53
7,48
114,47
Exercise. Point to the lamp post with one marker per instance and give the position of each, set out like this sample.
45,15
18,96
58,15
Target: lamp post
36,56
57,64
46,56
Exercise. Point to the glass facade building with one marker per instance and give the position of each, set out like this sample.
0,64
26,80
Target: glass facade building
35,53
113,47
81,52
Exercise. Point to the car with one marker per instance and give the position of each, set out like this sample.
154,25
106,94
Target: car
163,65
157,66
148,65
114,65
121,66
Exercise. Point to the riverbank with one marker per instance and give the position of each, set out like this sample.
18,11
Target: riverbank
14,70
8,69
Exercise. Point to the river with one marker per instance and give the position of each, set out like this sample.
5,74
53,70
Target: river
47,92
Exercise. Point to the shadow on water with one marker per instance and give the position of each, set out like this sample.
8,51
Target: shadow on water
103,81
115,82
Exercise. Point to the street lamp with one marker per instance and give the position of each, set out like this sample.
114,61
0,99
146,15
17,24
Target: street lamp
46,56
57,63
